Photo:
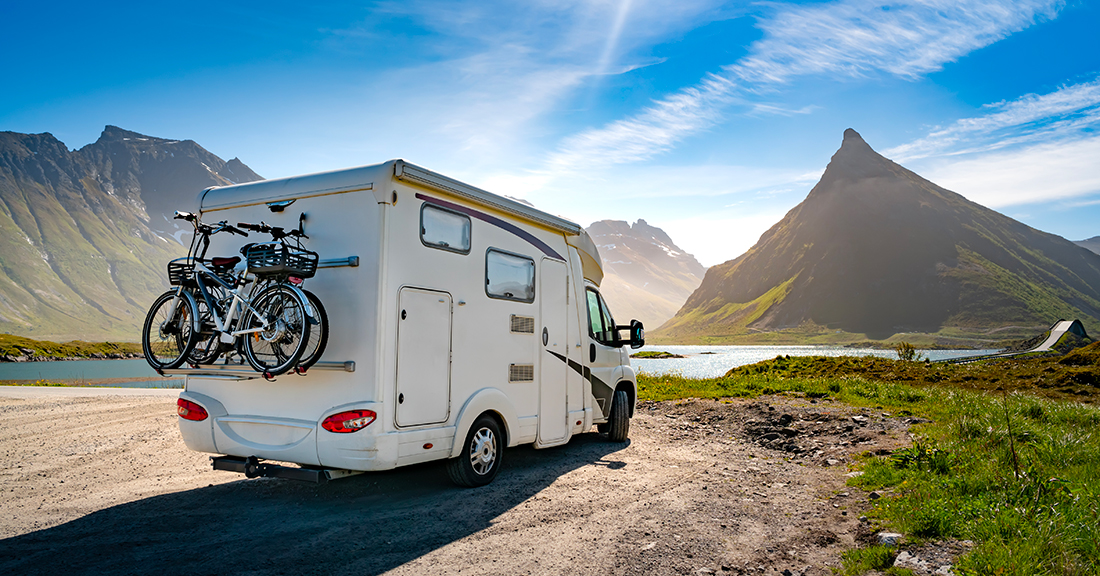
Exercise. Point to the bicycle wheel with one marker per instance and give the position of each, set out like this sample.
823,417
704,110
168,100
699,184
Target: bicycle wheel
169,331
207,343
318,334
281,327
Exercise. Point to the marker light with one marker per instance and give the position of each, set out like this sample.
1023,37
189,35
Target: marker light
190,411
351,421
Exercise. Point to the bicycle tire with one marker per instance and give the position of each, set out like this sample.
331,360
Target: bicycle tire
318,334
167,337
277,348
207,346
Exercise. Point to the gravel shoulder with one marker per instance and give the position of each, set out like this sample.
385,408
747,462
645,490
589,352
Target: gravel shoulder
101,483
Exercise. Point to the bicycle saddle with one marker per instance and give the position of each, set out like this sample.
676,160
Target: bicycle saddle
225,262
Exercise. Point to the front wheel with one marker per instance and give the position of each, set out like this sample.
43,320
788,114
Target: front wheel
618,422
169,331
479,461
277,330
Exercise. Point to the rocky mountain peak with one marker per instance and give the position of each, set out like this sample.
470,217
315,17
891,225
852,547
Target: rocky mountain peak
875,249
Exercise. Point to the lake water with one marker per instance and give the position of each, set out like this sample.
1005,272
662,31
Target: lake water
138,371
714,361
700,362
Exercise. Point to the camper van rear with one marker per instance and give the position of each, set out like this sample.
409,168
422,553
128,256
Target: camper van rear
460,322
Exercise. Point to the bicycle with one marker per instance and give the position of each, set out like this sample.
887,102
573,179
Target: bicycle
269,321
287,261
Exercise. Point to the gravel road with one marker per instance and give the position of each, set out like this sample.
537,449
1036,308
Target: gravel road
101,483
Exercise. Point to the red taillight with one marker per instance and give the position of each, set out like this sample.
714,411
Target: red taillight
351,421
190,411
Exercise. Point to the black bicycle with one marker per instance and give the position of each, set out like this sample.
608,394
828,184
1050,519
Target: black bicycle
219,305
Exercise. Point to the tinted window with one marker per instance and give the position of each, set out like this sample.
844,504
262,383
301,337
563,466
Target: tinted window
443,229
509,276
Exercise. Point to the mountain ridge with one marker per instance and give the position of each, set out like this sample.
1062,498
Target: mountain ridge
646,275
85,234
875,249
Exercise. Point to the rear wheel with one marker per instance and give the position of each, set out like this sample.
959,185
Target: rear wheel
281,330
618,422
479,461
318,334
169,331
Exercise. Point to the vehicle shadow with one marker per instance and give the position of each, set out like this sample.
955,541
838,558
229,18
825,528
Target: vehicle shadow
365,524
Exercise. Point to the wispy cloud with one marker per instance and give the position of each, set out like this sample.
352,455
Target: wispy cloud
1043,173
846,38
1029,119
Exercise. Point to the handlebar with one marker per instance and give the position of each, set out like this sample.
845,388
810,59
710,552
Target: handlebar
276,232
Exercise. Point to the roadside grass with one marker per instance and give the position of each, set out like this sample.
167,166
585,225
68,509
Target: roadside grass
15,346
1016,474
35,383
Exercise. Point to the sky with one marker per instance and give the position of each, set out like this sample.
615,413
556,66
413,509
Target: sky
707,119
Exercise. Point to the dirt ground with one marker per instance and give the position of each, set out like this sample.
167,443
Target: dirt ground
104,485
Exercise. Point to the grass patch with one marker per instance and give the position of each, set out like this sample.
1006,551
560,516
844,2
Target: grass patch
655,354
15,346
1017,474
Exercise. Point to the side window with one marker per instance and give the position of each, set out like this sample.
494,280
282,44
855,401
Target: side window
444,229
601,326
509,276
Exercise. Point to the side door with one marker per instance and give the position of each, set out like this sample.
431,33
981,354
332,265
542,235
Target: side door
423,357
602,358
553,363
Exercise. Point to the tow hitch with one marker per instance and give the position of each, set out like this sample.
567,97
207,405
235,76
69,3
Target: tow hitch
251,467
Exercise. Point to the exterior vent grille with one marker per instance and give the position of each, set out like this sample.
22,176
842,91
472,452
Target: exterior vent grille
521,372
523,324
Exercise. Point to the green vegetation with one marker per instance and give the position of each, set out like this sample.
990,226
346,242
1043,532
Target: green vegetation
1074,376
1017,474
655,354
906,352
15,346
877,557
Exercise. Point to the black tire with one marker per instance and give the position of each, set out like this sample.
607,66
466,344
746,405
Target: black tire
277,348
618,422
167,337
479,461
207,343
318,334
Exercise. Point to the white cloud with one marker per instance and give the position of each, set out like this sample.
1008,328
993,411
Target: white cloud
847,38
1028,119
1039,173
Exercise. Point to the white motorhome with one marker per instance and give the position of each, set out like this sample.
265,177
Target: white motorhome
460,322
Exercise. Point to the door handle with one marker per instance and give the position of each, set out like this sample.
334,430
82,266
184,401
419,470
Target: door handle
591,352
545,336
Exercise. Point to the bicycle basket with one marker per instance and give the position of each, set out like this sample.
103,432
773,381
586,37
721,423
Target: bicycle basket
180,271
278,259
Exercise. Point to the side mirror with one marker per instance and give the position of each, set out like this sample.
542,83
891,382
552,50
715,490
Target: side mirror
637,335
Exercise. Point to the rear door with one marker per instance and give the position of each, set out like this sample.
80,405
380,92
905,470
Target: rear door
423,357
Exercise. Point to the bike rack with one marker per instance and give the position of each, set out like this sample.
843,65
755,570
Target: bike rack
352,261
245,372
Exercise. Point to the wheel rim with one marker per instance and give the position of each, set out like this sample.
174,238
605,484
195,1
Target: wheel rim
277,346
483,451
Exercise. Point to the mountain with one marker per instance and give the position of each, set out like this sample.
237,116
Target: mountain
646,276
1092,244
85,234
875,249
